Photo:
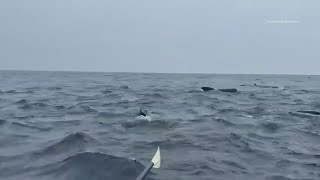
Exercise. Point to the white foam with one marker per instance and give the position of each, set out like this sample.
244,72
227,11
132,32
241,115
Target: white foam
129,98
246,115
145,118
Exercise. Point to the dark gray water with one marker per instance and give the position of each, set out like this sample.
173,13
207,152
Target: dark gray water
83,126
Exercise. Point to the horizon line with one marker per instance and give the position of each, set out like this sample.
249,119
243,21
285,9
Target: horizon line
142,72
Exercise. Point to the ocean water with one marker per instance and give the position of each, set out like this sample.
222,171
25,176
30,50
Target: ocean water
84,126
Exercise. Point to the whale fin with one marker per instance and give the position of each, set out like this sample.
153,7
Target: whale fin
207,88
141,113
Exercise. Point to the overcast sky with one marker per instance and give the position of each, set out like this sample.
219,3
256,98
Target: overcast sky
203,36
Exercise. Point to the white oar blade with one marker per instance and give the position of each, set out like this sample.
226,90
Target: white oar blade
156,160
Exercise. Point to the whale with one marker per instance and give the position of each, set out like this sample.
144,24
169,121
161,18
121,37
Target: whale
310,112
229,90
143,116
141,113
207,88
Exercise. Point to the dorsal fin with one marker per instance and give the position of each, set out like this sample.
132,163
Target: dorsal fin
141,113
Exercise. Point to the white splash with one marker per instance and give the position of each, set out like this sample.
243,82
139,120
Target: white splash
144,118
247,115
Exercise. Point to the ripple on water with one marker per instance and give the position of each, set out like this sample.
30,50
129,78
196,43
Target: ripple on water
22,127
33,106
46,117
80,109
22,102
154,124
2,122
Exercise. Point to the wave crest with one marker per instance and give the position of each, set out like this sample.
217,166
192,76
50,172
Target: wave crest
77,141
94,166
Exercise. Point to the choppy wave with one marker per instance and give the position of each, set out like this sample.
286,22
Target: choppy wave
21,126
78,109
75,141
29,106
22,101
16,92
83,166
147,123
84,126
94,166
2,121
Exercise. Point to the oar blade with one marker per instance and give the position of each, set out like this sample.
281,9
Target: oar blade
156,160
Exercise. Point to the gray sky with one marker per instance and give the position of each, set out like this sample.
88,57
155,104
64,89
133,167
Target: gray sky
205,36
